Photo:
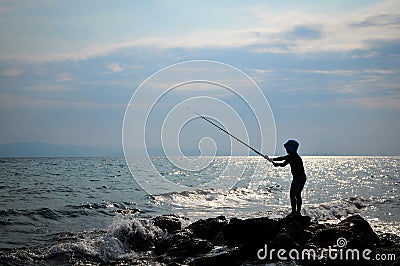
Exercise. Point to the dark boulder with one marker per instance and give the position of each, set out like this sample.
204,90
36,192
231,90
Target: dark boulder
189,247
209,228
168,241
302,221
182,244
140,235
218,256
389,244
388,240
356,231
177,247
292,234
251,231
214,241
169,223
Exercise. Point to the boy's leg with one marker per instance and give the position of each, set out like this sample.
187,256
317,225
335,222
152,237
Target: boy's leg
299,202
293,198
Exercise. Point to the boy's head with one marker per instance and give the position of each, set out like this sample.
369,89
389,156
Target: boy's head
291,146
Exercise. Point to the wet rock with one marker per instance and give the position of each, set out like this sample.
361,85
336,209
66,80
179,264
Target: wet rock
189,247
313,227
167,242
357,232
169,223
362,234
241,239
218,256
208,228
139,235
302,221
182,244
388,240
389,244
291,235
253,231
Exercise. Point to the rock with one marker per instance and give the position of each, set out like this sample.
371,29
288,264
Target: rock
357,232
209,228
240,240
189,247
284,241
218,256
388,240
140,235
389,244
169,223
362,234
292,235
165,243
303,221
313,227
177,247
249,235
251,231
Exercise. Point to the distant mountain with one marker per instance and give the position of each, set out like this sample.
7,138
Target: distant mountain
37,149
193,152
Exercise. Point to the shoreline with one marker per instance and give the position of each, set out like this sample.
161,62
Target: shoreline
172,240
216,240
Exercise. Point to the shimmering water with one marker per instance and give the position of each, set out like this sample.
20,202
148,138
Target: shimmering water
50,206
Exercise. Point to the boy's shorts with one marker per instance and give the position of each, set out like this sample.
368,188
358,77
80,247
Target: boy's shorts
298,182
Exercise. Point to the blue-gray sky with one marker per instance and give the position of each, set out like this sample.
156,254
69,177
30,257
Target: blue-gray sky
329,69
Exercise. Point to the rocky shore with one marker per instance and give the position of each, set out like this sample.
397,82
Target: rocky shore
257,241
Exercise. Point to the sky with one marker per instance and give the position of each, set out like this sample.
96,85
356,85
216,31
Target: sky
329,69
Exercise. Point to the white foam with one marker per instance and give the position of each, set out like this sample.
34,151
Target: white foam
109,246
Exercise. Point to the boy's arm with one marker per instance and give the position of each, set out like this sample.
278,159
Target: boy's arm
285,160
284,163
282,158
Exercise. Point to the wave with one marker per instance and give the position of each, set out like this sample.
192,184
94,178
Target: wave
336,209
240,202
70,209
117,243
122,241
244,202
236,198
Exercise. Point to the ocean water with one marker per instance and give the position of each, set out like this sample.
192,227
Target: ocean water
75,210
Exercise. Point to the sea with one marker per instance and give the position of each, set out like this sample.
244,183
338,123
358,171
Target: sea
73,211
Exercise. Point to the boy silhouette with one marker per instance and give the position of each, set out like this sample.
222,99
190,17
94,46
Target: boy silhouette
297,169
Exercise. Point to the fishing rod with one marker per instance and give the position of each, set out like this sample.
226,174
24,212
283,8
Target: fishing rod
220,128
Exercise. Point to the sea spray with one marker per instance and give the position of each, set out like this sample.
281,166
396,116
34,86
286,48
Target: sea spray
67,212
137,234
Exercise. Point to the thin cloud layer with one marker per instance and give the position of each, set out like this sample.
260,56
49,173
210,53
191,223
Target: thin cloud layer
270,31
325,69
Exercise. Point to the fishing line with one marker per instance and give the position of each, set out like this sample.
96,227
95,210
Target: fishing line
220,128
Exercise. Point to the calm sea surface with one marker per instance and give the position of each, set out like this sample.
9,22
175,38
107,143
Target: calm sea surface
50,206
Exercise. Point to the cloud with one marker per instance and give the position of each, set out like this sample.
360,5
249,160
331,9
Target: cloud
286,31
306,32
264,71
6,5
12,72
327,72
381,71
64,77
114,67
381,102
13,102
383,20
